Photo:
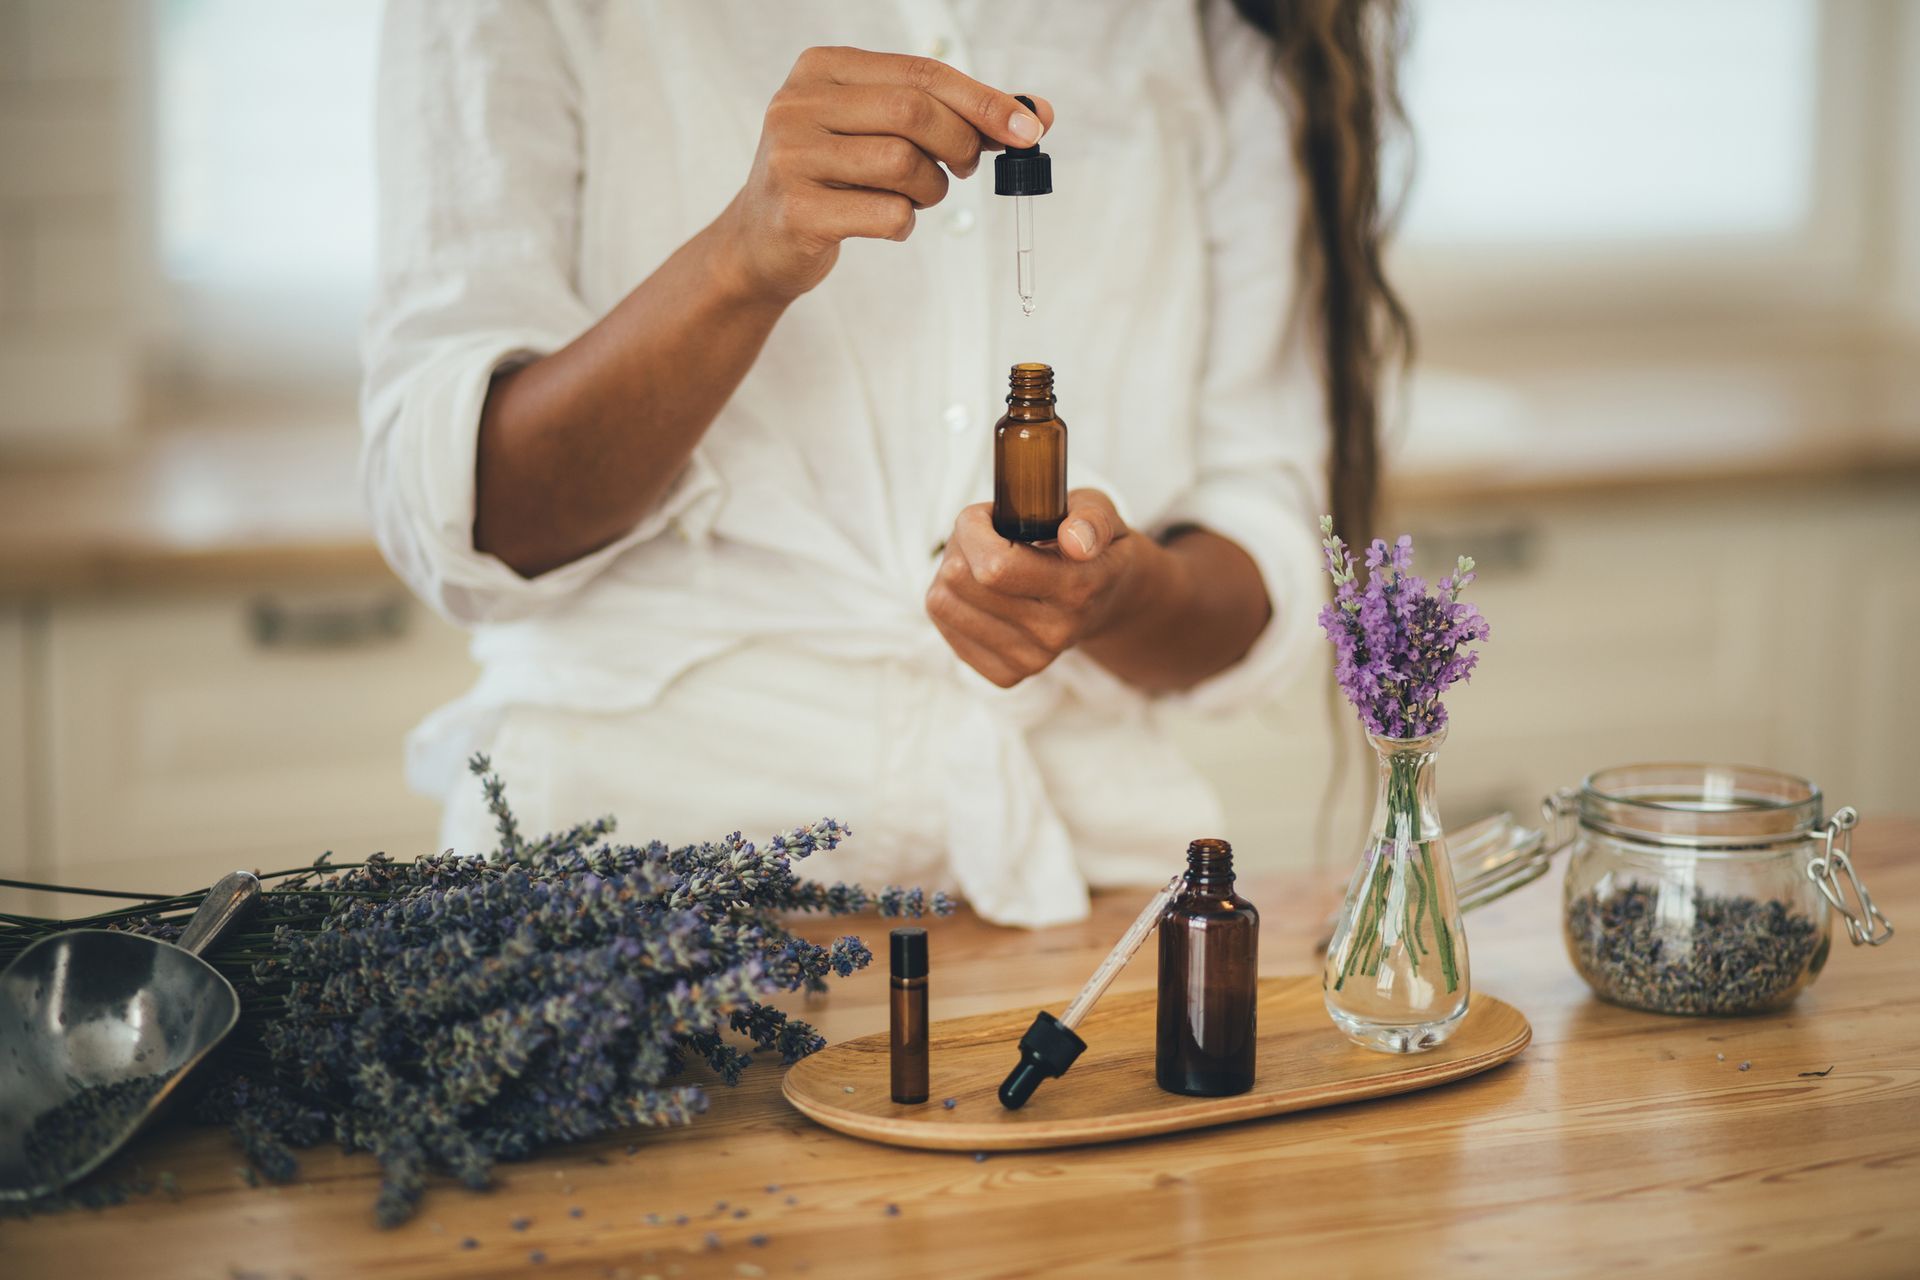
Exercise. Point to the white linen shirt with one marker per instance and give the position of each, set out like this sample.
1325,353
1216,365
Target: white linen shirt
539,158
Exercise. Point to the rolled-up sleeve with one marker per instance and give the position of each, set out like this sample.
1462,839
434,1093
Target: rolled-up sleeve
1260,439
480,155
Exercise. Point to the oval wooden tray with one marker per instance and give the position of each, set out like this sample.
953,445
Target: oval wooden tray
1304,1062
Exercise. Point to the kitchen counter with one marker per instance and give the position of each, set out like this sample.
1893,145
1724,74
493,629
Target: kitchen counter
281,503
1618,1142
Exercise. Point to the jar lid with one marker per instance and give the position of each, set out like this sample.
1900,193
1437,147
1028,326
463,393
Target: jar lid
1702,806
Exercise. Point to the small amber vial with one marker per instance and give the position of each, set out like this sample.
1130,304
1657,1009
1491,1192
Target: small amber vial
1209,980
1029,460
908,1024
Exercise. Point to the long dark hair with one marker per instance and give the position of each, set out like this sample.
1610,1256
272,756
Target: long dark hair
1336,60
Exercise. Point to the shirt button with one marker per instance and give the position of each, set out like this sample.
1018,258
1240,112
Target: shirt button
960,221
957,418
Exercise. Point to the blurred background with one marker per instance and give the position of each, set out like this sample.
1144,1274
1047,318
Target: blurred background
1664,256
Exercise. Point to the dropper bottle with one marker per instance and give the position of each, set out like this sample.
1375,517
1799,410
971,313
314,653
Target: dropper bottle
1030,459
1023,172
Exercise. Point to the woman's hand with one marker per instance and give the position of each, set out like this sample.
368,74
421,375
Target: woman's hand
852,144
1008,610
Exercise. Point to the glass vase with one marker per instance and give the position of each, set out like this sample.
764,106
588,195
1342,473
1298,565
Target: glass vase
1396,977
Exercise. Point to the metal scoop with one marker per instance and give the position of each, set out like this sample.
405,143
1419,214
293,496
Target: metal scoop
96,1029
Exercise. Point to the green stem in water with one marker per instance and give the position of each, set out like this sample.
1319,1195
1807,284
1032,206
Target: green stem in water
1442,934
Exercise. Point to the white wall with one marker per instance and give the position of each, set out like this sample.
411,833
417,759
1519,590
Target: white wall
68,201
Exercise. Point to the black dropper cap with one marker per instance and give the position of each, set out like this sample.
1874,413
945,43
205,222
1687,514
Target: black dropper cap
909,952
1023,171
1046,1051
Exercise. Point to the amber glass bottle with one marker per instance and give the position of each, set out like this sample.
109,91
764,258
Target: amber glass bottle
1209,979
1029,460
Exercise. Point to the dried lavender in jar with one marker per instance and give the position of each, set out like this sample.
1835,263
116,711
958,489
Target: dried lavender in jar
1736,954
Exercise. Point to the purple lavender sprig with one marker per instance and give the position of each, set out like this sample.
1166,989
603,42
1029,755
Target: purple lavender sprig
1398,645
451,1012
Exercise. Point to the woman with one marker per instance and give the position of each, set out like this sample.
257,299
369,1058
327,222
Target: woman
655,408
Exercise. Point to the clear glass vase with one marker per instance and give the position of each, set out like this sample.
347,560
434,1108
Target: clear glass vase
1396,977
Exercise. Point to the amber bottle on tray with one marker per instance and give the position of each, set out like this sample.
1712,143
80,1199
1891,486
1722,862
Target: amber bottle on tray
1209,980
1029,460
908,1007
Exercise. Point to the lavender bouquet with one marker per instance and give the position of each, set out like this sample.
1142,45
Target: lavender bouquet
1399,645
452,1012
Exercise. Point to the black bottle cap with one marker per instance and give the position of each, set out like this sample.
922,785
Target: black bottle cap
1047,1050
1023,171
909,952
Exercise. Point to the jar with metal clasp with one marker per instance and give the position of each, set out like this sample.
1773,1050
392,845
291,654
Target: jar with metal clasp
1705,888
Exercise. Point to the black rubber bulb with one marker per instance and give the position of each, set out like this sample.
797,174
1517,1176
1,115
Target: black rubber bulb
1046,1051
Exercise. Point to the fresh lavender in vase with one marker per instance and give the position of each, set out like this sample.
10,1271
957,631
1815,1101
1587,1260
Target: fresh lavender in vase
1396,975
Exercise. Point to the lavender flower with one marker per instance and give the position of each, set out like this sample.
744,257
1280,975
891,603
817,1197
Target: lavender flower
1398,645
449,1013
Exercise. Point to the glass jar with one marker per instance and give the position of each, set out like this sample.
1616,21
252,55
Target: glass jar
1704,889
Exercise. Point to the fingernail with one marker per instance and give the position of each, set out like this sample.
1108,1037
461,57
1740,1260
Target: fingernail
1082,534
1024,127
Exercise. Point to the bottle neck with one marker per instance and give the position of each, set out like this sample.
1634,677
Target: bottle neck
1210,867
1030,392
1404,811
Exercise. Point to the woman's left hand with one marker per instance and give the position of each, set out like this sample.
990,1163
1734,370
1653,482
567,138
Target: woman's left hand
1008,609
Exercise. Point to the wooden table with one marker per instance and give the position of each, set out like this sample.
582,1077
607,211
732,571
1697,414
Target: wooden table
1619,1141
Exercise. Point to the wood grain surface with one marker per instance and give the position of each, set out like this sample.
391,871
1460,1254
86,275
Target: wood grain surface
1618,1143
1109,1094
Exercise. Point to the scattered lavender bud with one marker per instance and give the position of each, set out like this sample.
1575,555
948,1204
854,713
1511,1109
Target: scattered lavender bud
681,1220
773,1188
979,1157
521,1224
576,1212
758,1240
793,1199
1745,1065
719,1206
712,1240
536,1256
469,1243
949,1103
893,1211
739,1213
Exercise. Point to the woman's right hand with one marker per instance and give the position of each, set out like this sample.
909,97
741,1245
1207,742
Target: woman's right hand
853,143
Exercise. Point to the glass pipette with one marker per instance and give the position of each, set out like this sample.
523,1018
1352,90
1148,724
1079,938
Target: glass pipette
1051,1044
1023,251
1023,173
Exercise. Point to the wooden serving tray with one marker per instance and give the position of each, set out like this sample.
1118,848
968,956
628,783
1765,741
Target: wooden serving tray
1304,1062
